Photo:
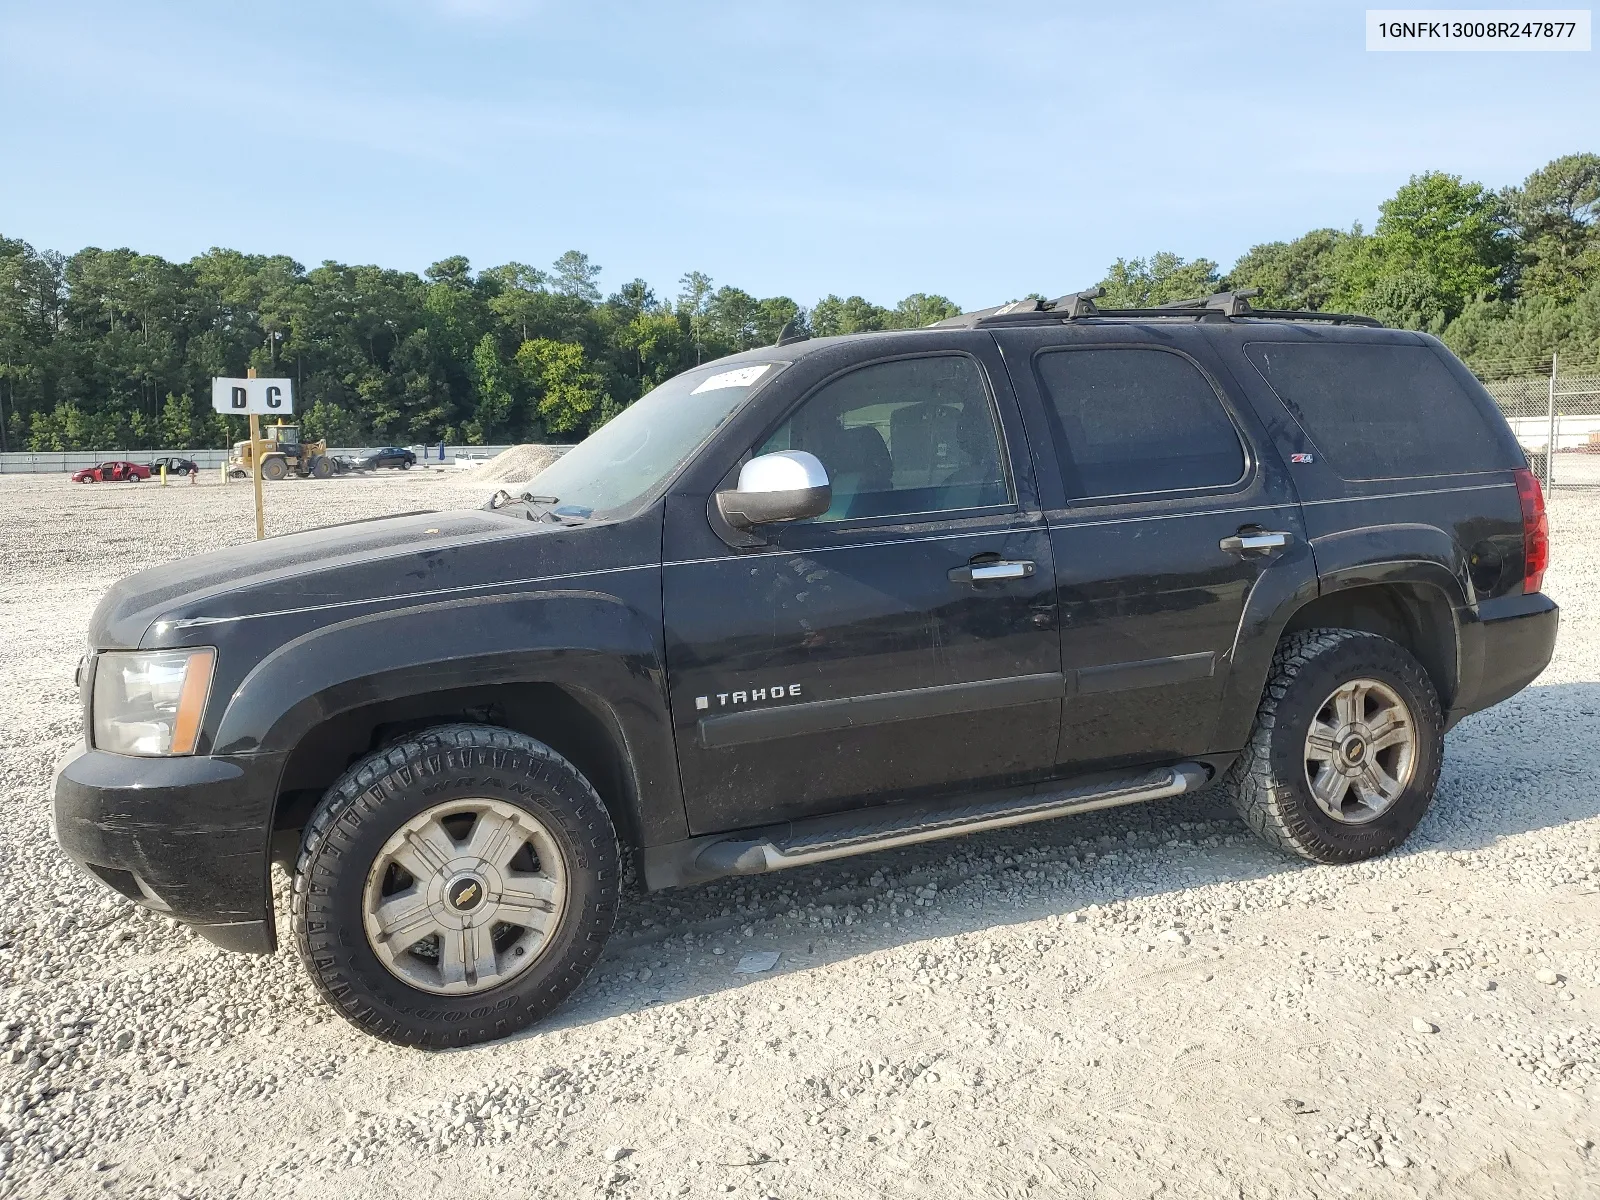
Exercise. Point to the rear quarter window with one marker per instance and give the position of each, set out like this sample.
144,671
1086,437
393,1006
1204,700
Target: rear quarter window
1381,410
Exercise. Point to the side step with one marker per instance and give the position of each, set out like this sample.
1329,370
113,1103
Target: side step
823,838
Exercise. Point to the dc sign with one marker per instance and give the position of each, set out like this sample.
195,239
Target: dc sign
252,397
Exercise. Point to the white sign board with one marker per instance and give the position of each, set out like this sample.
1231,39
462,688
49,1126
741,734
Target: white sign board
241,397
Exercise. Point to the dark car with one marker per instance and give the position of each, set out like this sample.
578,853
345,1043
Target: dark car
810,601
174,466
387,456
116,471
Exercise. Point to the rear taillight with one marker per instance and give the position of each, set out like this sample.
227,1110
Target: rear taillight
1535,532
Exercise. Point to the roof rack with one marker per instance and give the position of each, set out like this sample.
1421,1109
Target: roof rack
1078,306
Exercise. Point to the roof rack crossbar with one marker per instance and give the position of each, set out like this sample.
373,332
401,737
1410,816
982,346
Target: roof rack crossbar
1077,304
1233,303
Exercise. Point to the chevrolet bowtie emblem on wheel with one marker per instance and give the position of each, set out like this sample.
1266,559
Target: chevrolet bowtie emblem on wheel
749,696
465,894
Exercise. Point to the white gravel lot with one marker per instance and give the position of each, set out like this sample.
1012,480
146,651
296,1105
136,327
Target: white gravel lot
1141,1002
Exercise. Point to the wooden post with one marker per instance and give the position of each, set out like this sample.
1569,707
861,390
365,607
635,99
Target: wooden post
255,466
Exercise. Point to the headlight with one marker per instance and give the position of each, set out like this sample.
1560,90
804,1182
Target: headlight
150,701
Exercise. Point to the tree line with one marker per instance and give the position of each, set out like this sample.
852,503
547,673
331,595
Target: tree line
112,348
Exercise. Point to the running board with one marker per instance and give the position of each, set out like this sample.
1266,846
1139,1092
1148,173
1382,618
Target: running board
823,838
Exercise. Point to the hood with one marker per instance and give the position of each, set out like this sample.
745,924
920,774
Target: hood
360,562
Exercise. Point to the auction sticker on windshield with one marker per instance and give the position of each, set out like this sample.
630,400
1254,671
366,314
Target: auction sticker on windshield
742,377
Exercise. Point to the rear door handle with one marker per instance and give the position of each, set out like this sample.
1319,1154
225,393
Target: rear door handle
989,572
1263,542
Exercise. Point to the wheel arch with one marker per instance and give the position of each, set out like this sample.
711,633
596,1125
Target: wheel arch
579,724
579,670
1418,615
1419,603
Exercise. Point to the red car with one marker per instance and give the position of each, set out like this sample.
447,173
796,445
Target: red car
112,472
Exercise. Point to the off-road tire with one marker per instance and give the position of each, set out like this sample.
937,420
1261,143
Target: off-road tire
1267,782
388,788
321,468
273,468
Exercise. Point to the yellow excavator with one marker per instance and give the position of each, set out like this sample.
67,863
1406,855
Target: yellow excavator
282,451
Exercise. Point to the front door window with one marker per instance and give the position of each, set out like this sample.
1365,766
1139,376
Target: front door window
899,438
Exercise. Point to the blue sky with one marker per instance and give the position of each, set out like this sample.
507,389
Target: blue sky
979,150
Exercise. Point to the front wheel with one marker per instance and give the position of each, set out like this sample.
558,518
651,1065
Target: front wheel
455,887
1346,749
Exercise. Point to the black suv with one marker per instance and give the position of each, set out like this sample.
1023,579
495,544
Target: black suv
815,600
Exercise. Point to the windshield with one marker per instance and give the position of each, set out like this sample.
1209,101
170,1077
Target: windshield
639,448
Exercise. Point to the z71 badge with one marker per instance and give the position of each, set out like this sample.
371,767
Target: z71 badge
750,696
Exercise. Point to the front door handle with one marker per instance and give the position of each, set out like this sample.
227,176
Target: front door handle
989,572
1255,542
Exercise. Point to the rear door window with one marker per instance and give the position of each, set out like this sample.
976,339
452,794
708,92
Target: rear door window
1380,410
1134,420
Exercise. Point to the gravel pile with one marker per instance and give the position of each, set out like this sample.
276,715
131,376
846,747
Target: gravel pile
1138,1001
519,464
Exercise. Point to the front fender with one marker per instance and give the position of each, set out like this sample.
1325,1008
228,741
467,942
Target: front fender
591,642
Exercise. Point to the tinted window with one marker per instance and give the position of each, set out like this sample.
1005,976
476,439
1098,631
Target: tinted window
1130,421
902,437
1379,411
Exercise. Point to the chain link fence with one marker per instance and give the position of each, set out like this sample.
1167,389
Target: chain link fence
51,462
1556,417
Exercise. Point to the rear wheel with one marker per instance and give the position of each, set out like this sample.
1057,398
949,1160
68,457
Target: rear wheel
1346,749
405,464
274,468
455,887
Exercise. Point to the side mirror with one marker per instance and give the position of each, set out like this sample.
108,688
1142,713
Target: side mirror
789,485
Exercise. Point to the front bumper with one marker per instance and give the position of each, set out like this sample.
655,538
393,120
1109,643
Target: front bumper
185,836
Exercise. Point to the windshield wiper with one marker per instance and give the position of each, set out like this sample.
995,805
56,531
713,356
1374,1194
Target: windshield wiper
502,499
567,514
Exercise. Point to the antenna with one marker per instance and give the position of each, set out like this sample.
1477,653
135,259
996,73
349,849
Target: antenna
792,331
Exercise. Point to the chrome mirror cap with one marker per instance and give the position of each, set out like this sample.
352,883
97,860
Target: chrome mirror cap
787,485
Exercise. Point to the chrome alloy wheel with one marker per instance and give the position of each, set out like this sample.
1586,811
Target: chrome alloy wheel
1360,751
465,896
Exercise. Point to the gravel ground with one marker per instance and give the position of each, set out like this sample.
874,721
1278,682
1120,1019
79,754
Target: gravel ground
1138,1002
